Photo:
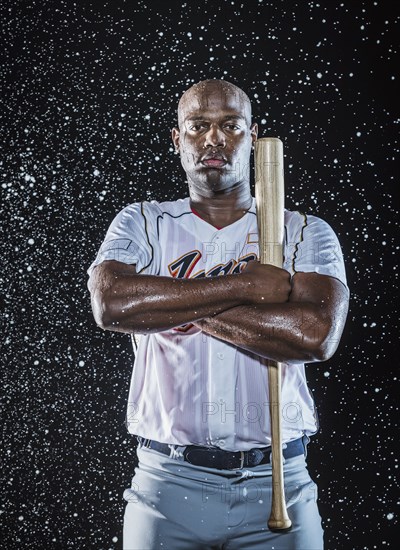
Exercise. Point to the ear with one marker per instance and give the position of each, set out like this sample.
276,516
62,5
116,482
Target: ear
254,131
175,138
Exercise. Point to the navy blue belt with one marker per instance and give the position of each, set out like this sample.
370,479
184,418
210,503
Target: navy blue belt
213,457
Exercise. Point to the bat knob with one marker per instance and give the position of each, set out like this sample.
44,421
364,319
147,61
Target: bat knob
279,525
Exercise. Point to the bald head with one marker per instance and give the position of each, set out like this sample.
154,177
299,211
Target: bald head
209,95
215,136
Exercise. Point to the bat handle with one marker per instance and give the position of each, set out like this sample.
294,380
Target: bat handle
279,519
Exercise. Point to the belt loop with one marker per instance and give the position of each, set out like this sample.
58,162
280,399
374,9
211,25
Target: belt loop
305,439
241,460
177,451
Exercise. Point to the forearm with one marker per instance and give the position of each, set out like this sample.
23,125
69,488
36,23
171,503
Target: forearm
289,332
148,303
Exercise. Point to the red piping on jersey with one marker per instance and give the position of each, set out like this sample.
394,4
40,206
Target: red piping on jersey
198,215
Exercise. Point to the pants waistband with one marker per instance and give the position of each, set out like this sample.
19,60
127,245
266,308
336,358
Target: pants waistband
214,457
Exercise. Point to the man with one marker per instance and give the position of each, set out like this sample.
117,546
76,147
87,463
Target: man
184,274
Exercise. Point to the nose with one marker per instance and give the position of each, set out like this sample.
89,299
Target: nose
214,137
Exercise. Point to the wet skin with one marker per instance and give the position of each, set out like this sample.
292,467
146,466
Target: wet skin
214,139
262,309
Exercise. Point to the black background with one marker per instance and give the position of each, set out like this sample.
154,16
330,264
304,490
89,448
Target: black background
89,97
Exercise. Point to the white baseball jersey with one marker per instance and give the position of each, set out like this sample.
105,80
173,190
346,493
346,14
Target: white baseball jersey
188,387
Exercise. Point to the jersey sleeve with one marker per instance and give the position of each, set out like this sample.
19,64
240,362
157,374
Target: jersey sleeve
315,248
129,239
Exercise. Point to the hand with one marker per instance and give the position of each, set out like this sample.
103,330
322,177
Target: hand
265,284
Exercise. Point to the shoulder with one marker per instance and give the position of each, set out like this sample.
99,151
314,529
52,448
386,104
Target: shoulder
154,208
172,208
299,223
296,217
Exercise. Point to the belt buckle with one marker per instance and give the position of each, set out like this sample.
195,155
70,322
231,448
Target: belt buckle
230,461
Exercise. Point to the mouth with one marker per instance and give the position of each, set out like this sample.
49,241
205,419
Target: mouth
214,161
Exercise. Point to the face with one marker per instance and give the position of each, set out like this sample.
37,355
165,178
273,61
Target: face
215,136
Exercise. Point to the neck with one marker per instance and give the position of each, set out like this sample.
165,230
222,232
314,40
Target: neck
221,208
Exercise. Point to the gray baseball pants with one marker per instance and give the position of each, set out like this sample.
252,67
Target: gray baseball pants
174,505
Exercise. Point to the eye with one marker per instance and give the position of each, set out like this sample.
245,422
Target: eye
232,126
197,127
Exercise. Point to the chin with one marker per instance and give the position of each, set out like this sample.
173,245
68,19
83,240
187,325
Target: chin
219,186
212,179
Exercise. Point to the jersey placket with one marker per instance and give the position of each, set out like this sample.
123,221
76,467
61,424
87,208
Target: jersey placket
222,408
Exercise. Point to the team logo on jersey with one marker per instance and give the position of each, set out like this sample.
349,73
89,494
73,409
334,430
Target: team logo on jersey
183,268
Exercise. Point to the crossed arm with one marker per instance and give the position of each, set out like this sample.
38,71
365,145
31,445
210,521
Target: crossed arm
260,310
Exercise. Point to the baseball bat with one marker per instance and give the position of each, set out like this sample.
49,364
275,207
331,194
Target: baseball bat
270,197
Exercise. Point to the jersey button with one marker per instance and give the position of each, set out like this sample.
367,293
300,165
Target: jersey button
220,355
